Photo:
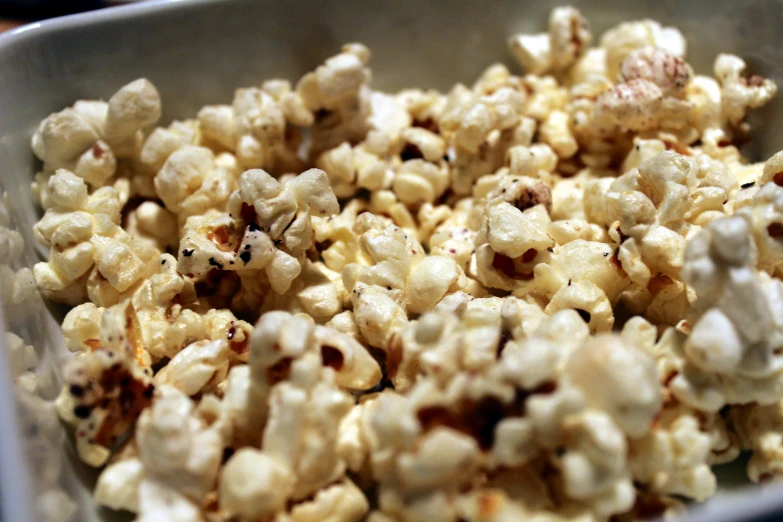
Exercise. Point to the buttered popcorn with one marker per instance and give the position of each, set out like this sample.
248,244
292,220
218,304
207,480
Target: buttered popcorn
547,295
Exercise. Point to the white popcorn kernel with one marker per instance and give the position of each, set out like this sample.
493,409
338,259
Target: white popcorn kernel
217,123
569,35
533,52
509,232
430,145
341,502
118,485
63,137
624,38
182,174
430,280
253,485
201,364
177,446
738,94
96,165
627,388
758,427
635,105
133,107
162,143
713,344
418,181
555,132
82,327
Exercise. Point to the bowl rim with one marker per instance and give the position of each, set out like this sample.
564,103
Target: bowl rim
117,12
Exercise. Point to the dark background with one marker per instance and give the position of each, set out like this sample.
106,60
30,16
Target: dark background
17,12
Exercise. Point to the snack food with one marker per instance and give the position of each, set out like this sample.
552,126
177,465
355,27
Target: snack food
436,281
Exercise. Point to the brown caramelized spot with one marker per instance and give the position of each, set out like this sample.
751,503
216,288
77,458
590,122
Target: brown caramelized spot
529,255
410,152
247,213
478,419
489,504
428,123
279,371
505,265
393,355
775,230
97,151
615,260
678,147
222,238
94,344
475,419
765,478
649,507
332,357
131,397
658,283
538,194
320,246
239,347
778,179
669,378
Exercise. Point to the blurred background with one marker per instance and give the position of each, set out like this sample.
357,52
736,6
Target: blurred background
18,12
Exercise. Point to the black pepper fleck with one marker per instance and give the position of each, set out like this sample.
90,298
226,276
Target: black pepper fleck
747,185
187,253
245,256
212,262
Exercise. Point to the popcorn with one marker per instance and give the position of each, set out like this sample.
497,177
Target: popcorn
89,138
435,301
105,391
758,427
726,358
738,94
669,72
253,485
569,34
353,168
193,181
86,242
178,447
623,39
267,214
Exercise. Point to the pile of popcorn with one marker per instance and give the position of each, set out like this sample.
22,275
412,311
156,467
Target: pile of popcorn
549,296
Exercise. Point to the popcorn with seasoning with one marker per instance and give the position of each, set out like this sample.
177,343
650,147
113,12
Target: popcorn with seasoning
91,256
552,296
